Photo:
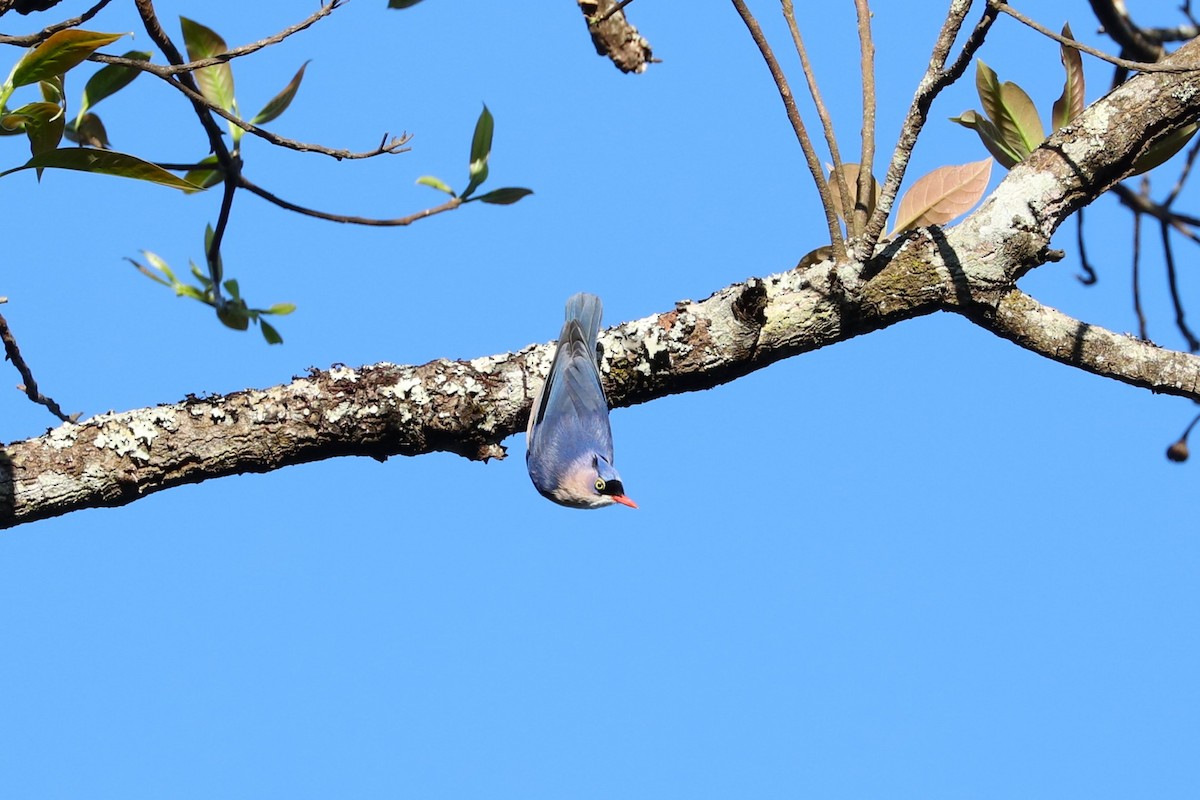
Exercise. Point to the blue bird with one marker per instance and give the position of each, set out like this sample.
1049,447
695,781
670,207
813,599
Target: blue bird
569,449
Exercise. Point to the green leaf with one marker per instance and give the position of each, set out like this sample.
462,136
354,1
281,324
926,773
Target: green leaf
402,3
435,183
231,286
481,144
988,87
280,309
1069,104
990,137
45,136
505,196
42,122
1162,150
235,315
200,276
142,268
59,53
104,162
1022,113
52,89
108,81
481,149
204,178
269,333
216,82
38,113
187,290
88,131
279,103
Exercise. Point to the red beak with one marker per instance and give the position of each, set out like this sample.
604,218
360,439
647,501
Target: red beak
623,500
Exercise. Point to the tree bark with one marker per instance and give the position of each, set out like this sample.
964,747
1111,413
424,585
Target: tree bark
470,407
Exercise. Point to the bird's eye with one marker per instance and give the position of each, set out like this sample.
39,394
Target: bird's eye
599,484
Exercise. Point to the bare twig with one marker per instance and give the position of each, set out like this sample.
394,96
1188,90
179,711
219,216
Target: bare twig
1124,63
394,145
1181,222
619,6
1089,273
253,188
789,104
1137,258
1122,30
937,77
29,385
1173,284
1184,173
246,49
866,162
844,195
45,33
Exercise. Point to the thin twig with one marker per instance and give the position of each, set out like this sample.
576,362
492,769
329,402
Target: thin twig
1182,223
1115,20
936,78
866,162
1172,282
1135,66
1184,173
253,47
1089,274
1137,257
45,33
789,104
254,188
28,385
839,176
610,12
395,145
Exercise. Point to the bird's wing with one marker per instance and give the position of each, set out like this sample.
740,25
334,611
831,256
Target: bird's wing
572,386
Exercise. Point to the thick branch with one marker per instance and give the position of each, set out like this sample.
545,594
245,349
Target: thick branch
1051,333
463,407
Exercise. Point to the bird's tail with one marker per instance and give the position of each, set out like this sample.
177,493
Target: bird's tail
586,309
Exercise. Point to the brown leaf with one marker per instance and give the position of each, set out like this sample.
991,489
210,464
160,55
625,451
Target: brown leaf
943,195
1069,104
850,172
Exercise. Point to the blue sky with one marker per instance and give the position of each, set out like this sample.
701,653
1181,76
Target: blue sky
922,563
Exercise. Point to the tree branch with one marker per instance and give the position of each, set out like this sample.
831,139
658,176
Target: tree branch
1051,333
471,407
613,35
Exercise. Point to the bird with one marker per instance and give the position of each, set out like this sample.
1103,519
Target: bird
569,450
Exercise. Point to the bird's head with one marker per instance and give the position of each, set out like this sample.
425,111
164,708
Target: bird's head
591,483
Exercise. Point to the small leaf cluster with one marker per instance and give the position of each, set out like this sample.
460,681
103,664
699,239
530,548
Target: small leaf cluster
44,121
1010,127
233,310
216,84
477,169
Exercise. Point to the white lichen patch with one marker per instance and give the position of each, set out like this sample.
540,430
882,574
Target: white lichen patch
303,389
335,414
63,436
488,364
132,435
343,373
409,388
